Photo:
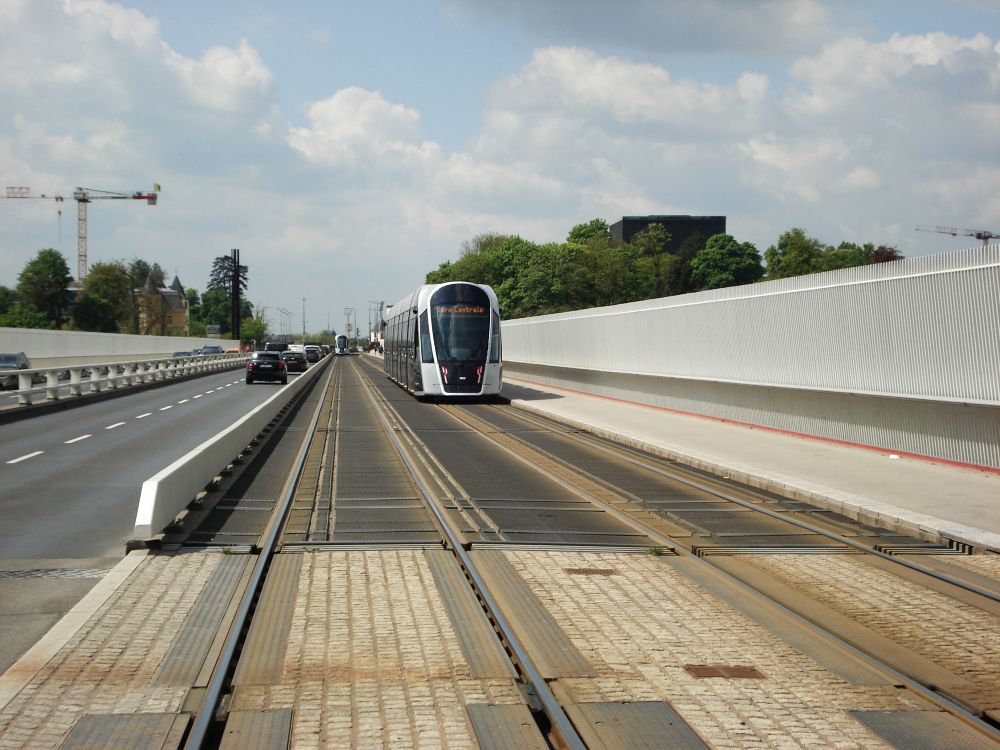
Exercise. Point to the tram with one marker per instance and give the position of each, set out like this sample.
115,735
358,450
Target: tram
340,346
442,341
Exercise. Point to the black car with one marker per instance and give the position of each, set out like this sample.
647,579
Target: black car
266,366
10,362
212,349
295,361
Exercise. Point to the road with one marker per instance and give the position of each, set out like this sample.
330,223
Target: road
70,486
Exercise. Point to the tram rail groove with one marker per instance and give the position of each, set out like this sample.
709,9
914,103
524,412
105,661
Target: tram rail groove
206,716
971,715
678,474
438,489
566,734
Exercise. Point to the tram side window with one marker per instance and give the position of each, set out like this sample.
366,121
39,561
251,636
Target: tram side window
426,354
495,339
411,342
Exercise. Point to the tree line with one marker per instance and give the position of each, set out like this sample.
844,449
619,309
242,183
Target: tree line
113,298
590,269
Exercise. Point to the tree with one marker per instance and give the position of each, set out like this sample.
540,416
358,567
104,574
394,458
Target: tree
94,313
110,283
20,316
652,240
794,255
845,255
222,275
7,299
43,284
253,329
595,229
725,262
884,254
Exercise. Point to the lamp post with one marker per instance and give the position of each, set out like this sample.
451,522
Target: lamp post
303,320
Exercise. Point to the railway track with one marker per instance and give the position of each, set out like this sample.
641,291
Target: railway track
384,475
391,573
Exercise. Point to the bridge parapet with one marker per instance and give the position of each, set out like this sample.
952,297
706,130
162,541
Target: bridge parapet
901,356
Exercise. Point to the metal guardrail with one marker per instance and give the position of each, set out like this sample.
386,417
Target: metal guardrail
61,382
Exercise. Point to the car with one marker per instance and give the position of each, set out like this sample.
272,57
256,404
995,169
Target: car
295,361
313,353
266,366
275,346
178,355
10,362
212,349
326,349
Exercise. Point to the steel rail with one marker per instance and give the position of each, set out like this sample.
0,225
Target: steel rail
213,692
624,453
942,701
553,710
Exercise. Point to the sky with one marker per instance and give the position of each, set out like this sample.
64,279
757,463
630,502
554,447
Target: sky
349,148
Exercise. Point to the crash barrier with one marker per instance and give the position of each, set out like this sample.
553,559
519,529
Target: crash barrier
55,383
167,493
900,356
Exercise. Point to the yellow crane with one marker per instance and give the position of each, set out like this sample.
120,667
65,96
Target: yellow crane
83,196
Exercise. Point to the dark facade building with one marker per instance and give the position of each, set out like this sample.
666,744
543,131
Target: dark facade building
679,227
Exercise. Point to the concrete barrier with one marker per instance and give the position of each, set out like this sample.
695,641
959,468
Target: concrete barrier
164,495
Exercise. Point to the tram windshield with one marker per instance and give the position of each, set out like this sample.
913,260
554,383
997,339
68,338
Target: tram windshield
460,319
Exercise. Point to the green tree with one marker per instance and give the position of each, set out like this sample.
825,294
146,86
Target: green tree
253,329
222,274
111,286
794,255
94,313
21,316
652,240
845,255
7,299
595,229
725,262
43,284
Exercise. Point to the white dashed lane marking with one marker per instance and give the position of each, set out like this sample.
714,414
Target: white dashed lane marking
143,416
199,395
112,426
183,401
25,457
77,439
164,408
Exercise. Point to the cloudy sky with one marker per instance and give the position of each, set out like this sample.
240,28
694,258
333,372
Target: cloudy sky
349,148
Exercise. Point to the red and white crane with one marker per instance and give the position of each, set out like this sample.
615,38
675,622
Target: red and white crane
980,234
83,196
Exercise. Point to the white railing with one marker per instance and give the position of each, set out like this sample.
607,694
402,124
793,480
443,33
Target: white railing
56,383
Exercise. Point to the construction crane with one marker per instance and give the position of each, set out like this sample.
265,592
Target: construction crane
980,234
83,196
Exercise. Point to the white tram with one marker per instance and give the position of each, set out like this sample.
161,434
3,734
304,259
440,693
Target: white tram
443,341
340,346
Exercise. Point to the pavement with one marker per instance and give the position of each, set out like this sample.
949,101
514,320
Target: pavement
934,500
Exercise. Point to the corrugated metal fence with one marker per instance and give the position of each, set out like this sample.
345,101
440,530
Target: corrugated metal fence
903,356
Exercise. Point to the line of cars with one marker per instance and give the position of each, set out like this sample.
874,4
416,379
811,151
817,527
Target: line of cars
278,359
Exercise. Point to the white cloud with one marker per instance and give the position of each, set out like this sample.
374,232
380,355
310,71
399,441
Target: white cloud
224,79
354,126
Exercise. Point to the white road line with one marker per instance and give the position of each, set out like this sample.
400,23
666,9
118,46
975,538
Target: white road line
77,439
228,384
211,391
199,395
183,401
164,408
112,426
143,416
25,457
